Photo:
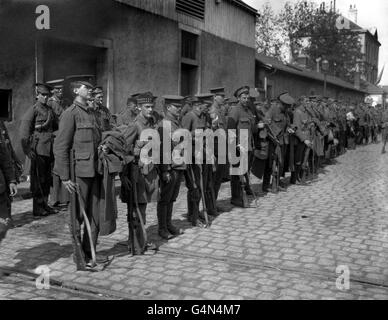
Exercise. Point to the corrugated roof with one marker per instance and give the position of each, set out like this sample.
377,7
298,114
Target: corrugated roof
277,64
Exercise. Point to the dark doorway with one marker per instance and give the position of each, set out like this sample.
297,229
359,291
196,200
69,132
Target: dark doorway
5,104
188,79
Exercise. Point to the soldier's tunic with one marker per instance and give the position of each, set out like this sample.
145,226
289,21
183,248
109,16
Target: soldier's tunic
241,117
78,137
40,141
58,192
384,124
147,178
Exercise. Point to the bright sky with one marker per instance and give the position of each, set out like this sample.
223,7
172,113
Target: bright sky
371,13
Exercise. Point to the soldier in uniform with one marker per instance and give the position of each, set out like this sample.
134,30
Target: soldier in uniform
7,184
58,193
241,117
197,120
36,132
145,176
278,119
218,122
76,154
301,124
55,101
129,113
171,172
219,101
102,113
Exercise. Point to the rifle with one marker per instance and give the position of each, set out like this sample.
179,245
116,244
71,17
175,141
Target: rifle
203,197
75,228
88,228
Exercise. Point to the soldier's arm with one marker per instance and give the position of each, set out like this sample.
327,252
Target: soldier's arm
63,144
26,130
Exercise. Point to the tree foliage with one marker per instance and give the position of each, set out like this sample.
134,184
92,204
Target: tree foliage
306,29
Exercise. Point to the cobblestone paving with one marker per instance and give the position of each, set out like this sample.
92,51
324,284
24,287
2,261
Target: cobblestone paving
287,248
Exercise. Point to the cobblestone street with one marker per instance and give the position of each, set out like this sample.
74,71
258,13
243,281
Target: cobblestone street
289,247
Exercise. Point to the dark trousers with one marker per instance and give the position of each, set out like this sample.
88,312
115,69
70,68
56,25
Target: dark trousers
5,206
41,181
169,192
89,191
218,177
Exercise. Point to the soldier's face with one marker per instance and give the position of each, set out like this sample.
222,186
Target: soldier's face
99,98
174,110
57,92
147,110
244,99
219,99
43,97
84,92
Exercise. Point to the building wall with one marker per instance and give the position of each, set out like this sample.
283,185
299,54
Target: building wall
226,64
145,54
17,72
224,20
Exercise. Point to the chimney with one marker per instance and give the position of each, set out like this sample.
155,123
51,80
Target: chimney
352,15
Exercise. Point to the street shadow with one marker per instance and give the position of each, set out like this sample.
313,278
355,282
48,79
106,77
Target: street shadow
22,218
43,254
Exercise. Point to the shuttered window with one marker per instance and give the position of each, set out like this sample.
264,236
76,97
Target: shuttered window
194,8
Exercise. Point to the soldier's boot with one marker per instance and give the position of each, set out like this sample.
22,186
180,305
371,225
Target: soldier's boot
38,209
170,227
293,177
162,221
46,207
248,189
210,205
189,207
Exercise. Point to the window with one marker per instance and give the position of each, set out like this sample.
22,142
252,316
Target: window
189,45
194,8
5,104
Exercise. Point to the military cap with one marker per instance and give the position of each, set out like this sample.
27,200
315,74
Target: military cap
253,93
56,84
174,100
82,83
240,91
286,98
97,90
205,98
233,100
144,98
43,88
218,91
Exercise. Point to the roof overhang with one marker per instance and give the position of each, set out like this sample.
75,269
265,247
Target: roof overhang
241,4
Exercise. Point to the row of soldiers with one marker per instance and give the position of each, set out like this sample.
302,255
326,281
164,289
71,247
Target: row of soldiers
91,146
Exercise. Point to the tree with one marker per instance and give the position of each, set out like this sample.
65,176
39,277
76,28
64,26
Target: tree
270,37
313,32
